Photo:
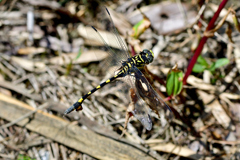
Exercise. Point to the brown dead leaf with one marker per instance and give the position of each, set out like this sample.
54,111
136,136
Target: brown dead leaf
120,21
176,149
218,112
20,89
86,57
166,17
31,50
141,26
90,34
199,83
230,96
29,65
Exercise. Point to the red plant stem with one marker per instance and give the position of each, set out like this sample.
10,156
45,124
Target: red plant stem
203,41
133,53
167,99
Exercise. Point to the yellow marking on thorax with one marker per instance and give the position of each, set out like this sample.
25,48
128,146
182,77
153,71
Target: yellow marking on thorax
80,100
108,81
134,61
141,58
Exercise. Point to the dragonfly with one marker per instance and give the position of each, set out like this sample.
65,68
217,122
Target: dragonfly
145,95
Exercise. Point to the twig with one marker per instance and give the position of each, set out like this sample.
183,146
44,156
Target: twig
203,41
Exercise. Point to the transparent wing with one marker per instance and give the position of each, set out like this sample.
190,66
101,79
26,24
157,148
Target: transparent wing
119,40
102,40
138,107
140,112
114,45
149,95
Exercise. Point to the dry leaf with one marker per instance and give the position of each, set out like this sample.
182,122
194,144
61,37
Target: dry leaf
216,108
178,150
90,34
199,83
30,65
31,50
166,17
86,57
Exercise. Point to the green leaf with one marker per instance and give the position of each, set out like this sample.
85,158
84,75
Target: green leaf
212,67
221,62
170,83
174,82
79,54
141,26
202,61
198,68
24,157
178,83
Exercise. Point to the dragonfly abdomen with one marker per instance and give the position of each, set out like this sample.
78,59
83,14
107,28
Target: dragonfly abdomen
78,105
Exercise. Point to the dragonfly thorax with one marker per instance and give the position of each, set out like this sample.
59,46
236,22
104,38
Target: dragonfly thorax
143,58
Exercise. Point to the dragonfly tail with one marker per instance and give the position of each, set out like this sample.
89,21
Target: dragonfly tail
76,106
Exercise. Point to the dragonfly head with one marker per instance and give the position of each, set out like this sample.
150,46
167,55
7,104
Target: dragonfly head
147,55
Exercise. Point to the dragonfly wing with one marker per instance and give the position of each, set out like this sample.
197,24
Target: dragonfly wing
118,38
138,107
150,96
113,43
140,112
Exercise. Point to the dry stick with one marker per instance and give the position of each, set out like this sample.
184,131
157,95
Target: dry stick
210,33
73,136
219,36
25,116
12,5
203,41
181,9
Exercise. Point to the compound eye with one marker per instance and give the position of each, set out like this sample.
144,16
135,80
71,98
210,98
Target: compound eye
150,58
145,51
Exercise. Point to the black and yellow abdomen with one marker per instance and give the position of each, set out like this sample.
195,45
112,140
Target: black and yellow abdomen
78,105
